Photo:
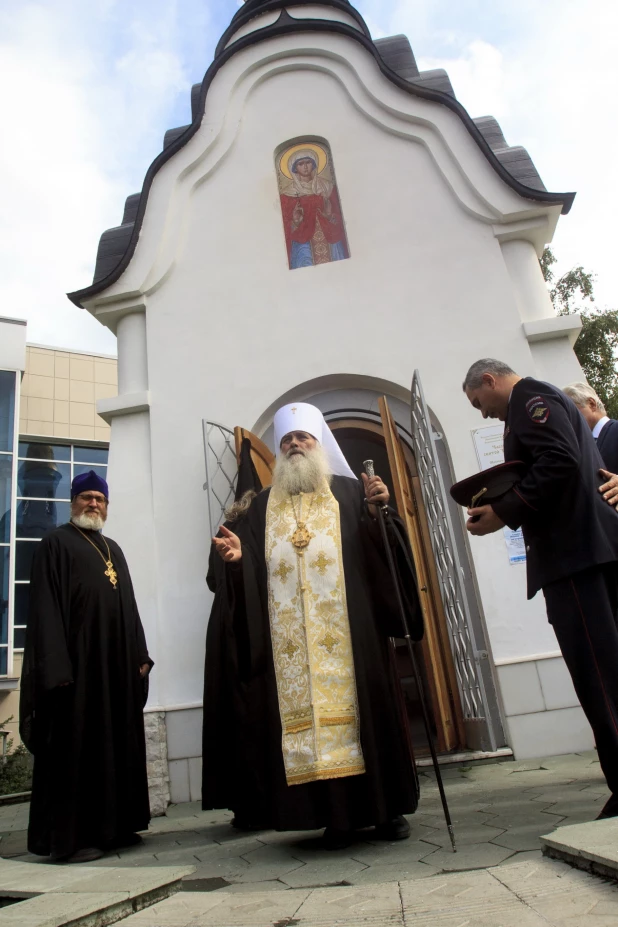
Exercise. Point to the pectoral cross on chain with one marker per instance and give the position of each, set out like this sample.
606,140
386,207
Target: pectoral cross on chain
294,410
111,573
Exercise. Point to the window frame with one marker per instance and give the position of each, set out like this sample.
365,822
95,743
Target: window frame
12,523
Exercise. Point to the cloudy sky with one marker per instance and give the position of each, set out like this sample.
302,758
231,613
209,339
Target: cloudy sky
87,91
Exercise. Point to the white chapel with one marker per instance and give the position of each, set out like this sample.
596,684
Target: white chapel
332,227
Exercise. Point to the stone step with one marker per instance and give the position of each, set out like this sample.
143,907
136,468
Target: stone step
592,847
540,893
43,895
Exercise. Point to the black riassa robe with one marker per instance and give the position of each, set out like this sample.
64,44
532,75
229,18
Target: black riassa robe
89,783
242,754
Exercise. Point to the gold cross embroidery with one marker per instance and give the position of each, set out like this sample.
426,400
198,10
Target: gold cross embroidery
322,563
329,642
290,649
283,571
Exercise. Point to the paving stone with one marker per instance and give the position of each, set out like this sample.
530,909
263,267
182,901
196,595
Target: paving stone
270,856
527,817
582,844
469,893
229,868
312,875
470,856
177,911
331,906
393,873
234,888
472,833
386,854
524,837
221,908
55,910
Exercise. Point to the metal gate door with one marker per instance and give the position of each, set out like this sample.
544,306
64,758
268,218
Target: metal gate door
471,664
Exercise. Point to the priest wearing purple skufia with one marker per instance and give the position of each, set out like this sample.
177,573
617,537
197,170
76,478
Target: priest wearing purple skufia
312,735
84,686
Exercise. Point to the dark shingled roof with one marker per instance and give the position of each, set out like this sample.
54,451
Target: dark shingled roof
396,60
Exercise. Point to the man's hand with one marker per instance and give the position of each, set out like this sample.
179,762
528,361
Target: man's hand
298,215
144,670
609,489
376,492
228,547
483,520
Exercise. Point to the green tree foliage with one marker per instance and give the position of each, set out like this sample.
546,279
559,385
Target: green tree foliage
598,342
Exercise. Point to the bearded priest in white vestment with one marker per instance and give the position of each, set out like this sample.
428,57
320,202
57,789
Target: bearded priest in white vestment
306,604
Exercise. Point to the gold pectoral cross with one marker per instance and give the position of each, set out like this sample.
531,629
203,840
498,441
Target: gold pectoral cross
111,573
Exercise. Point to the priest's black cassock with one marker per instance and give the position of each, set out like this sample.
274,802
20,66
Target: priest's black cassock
90,785
242,749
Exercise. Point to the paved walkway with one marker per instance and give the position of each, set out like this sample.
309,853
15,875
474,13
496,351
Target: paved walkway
499,811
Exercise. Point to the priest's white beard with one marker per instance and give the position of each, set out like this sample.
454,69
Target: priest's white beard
88,521
301,472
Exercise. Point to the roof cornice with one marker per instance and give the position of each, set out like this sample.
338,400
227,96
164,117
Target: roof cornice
286,25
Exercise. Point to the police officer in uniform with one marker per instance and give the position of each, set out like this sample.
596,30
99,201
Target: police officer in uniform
571,536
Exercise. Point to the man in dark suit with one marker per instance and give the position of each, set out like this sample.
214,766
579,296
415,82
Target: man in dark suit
571,536
604,429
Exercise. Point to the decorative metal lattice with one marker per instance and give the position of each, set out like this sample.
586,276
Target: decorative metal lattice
221,470
465,652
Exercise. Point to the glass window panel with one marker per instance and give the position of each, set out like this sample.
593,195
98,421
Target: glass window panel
24,553
44,478
36,518
93,455
41,450
6,472
85,468
3,661
4,594
7,409
22,597
19,639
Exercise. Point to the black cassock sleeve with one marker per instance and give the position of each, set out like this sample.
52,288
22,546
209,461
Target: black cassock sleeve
47,663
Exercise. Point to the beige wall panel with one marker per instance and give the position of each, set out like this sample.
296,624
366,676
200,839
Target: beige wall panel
61,412
82,368
61,390
105,373
81,413
41,364
41,410
82,432
40,387
102,432
81,391
62,367
33,427
105,390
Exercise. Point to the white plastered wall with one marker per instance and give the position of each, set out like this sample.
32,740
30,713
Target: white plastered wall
229,328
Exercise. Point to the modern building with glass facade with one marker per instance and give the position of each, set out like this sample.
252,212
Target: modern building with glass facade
49,433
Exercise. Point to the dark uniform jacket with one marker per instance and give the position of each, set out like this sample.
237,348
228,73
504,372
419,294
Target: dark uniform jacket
567,525
607,445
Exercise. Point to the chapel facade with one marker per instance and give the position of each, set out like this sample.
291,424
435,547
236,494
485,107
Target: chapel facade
332,227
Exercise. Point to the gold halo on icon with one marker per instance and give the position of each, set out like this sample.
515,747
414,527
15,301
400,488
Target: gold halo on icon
319,152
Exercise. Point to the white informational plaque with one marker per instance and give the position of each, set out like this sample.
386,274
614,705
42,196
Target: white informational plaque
489,446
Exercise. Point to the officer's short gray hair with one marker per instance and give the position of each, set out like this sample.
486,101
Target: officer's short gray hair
474,376
580,393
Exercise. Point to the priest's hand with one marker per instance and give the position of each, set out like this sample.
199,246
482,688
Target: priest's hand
376,492
144,670
483,520
609,489
228,547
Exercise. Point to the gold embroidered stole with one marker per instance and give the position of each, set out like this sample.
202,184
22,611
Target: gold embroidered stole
311,641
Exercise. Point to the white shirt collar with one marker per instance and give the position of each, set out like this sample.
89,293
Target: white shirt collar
596,431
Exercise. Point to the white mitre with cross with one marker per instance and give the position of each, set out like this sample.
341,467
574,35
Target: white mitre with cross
301,416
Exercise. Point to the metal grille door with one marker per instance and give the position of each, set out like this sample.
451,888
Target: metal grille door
466,654
221,470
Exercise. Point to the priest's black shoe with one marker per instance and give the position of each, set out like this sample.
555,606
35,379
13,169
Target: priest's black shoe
334,839
610,809
395,829
126,840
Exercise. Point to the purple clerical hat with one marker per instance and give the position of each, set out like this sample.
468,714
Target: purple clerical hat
89,481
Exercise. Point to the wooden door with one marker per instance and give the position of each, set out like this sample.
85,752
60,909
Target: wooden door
439,667
262,457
